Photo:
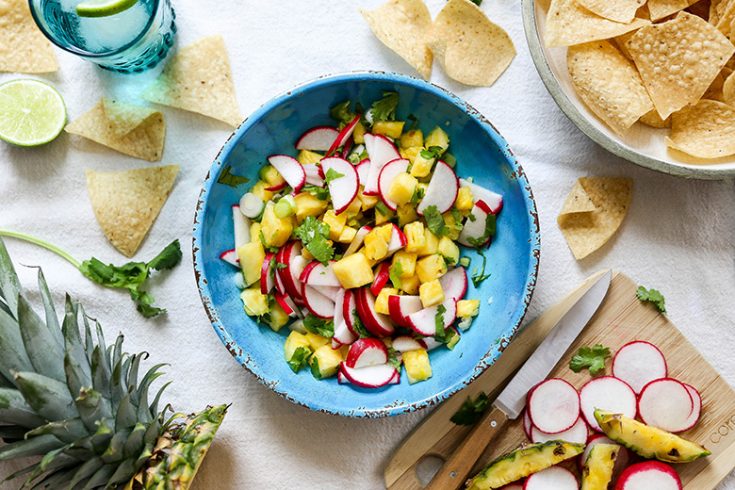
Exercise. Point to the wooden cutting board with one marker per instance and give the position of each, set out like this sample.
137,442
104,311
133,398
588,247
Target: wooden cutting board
620,319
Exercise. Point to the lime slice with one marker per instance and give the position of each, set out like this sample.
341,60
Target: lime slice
103,8
32,113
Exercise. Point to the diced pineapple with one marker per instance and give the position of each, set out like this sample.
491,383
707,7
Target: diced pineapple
376,242
259,190
306,254
381,302
467,308
381,218
415,236
254,302
431,244
308,205
354,208
431,293
410,285
418,367
296,350
370,261
315,340
336,223
368,202
421,166
406,214
276,231
306,157
410,154
348,233
277,318
411,138
407,261
392,129
251,257
449,250
255,230
437,137
324,362
465,200
270,175
431,267
451,226
358,135
353,271
402,188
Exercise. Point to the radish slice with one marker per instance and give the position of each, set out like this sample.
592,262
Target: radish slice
398,240
697,408
341,379
638,363
621,461
553,478
317,274
553,406
606,393
286,304
431,343
342,334
317,303
349,311
396,379
344,135
313,175
366,352
363,168
381,150
388,174
328,291
241,226
577,434
666,404
319,138
474,226
290,169
400,307
404,343
649,475
357,242
376,323
423,322
369,377
230,256
454,283
381,278
278,187
527,425
492,199
267,274
251,205
345,183
442,189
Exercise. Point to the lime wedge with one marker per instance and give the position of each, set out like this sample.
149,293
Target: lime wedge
32,112
103,8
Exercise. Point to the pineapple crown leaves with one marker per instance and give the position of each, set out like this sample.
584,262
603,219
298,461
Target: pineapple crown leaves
73,400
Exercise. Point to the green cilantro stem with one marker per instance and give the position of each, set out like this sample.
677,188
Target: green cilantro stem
42,243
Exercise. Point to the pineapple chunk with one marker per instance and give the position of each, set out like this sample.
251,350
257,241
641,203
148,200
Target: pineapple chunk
376,242
353,271
406,214
467,308
315,340
418,367
277,318
412,138
437,137
421,166
430,268
410,285
306,254
325,361
347,235
308,205
296,350
336,223
259,190
368,202
465,199
251,257
254,302
392,129
255,230
407,261
431,244
270,175
431,293
381,302
306,157
415,236
410,154
370,261
402,188
451,226
358,135
276,231
381,218
354,208
449,250
597,472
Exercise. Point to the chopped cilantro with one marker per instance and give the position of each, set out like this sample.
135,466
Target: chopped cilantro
477,2
487,234
393,358
319,326
332,175
321,193
385,108
434,221
652,296
457,219
342,113
299,359
418,195
395,272
228,178
315,235
358,326
479,275
590,357
432,152
441,332
315,371
471,410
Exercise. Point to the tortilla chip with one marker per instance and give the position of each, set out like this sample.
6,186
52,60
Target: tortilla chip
728,90
617,10
23,48
569,23
578,201
198,79
700,8
725,18
127,203
663,8
704,130
472,49
144,141
622,43
587,231
678,60
404,26
653,120
716,8
714,91
608,84
124,118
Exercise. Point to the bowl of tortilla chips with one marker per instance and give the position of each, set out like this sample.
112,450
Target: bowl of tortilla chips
649,80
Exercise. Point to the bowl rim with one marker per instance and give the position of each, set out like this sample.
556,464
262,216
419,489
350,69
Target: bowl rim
517,172
580,120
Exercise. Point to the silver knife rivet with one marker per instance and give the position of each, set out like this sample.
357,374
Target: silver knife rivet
453,474
493,424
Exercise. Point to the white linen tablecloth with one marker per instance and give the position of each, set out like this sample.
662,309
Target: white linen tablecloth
678,237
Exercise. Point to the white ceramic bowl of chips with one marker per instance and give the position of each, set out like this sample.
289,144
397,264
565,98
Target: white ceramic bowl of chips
642,144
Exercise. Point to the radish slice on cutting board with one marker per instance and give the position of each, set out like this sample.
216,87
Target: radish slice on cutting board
638,363
697,406
649,475
527,425
554,478
553,406
666,404
577,434
319,138
606,393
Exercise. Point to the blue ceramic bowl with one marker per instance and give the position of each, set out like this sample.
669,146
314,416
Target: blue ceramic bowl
512,258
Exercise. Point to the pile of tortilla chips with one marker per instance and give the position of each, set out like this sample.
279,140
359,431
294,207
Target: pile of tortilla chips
593,212
653,62
471,48
23,48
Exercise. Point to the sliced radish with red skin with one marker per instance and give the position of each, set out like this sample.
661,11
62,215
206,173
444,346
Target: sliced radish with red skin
423,322
376,323
369,377
396,379
344,135
349,310
241,226
553,406
400,307
342,189
667,404
313,175
363,168
287,306
341,379
381,278
638,363
442,189
649,475
342,334
474,226
230,256
317,274
381,150
347,148
454,283
295,263
606,393
527,425
317,303
430,343
696,408
319,138
290,169
388,174
492,199
357,242
397,241
577,434
553,478
366,352
295,267
282,185
404,343
621,461
280,287
267,274
328,291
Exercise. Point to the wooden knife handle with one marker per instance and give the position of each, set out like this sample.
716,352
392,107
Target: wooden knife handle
457,468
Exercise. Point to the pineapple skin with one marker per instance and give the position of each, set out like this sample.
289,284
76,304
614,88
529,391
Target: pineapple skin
598,468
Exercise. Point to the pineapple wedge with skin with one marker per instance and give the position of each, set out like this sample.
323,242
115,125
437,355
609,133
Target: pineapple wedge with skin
523,462
649,442
597,472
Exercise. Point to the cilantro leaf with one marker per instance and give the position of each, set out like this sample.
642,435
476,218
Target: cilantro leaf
228,178
652,296
315,371
479,275
441,332
434,221
471,410
592,358
299,359
393,358
432,152
418,195
477,2
358,326
319,326
385,108
490,226
321,193
315,235
394,273
169,257
331,175
342,113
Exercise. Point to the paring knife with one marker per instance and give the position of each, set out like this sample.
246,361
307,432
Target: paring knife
511,401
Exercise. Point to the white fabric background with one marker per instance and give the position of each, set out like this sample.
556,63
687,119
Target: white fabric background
679,235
